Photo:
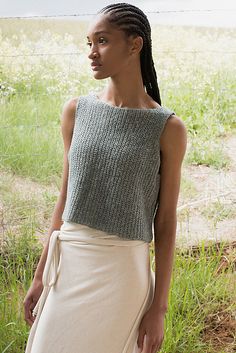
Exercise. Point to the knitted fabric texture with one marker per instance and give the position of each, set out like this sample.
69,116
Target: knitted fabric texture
114,161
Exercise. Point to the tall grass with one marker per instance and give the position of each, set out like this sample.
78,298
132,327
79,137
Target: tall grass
18,261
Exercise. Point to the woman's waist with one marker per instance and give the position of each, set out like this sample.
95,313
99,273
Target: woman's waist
84,233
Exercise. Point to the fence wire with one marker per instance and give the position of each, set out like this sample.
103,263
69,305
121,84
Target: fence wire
92,14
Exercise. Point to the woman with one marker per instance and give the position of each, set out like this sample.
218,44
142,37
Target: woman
95,291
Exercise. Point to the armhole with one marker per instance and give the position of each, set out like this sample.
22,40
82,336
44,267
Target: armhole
77,106
167,114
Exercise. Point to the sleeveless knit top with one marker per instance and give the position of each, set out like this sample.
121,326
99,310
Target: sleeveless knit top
114,161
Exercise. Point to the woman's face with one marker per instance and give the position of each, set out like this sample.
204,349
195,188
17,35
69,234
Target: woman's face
113,50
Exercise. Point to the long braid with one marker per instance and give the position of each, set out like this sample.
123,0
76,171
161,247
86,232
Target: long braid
132,20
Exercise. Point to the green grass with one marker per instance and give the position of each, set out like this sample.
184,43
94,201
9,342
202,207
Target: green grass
196,292
18,261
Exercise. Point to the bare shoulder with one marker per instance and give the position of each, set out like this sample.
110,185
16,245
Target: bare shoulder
69,108
68,115
174,135
175,122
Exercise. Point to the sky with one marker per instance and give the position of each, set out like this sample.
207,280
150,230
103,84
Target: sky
225,16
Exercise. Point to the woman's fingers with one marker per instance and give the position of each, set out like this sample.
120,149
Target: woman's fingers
148,346
140,340
28,308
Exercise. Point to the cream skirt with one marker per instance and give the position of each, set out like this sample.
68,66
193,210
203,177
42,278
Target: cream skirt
97,287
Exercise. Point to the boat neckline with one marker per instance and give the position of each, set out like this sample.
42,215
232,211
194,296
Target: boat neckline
123,108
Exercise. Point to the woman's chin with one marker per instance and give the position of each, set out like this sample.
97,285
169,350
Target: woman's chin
99,75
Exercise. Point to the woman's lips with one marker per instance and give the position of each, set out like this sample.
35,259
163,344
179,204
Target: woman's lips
95,65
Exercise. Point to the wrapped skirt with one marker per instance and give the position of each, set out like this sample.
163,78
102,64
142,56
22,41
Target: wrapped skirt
97,287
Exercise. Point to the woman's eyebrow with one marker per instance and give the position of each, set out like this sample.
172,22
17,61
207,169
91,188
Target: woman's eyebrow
98,32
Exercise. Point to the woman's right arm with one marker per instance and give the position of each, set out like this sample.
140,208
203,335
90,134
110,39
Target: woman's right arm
67,126
36,288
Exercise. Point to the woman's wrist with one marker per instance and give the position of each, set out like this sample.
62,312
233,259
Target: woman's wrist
159,310
38,278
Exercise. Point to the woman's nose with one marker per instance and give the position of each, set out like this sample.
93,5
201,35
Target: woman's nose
92,55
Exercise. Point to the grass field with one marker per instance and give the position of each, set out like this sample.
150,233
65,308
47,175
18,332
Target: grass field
42,64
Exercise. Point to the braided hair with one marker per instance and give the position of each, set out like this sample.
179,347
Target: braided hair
132,20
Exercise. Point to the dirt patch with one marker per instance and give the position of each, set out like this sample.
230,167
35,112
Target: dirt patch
219,331
25,202
212,186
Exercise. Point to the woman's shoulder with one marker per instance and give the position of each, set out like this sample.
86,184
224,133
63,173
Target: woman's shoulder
175,121
70,104
174,132
69,110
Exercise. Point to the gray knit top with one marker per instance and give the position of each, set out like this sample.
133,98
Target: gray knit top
114,161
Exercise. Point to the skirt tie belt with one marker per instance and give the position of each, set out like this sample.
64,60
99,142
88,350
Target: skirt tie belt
50,270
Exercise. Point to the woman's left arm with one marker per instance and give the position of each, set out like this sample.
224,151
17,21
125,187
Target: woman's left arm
173,145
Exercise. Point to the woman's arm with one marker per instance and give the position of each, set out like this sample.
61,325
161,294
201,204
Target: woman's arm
36,288
67,125
55,224
173,145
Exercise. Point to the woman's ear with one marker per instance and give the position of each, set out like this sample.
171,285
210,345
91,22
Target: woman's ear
136,45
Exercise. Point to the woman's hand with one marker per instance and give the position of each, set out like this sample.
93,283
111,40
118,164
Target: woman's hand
151,331
31,300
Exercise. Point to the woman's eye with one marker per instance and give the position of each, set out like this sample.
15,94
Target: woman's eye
103,39
89,43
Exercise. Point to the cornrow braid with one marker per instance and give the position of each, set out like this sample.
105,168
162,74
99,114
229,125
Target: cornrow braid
132,20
